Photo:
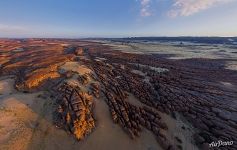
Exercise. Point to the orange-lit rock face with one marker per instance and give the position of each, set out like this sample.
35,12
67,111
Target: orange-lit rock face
36,77
79,51
34,61
75,111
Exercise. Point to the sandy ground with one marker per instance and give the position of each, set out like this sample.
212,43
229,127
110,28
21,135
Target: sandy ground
231,65
18,116
75,67
176,130
174,126
26,121
108,135
180,52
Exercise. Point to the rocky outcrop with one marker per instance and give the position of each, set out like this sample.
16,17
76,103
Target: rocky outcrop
79,51
83,79
189,87
74,112
95,88
116,84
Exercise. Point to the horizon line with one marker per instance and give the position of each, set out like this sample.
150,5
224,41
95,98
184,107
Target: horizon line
187,36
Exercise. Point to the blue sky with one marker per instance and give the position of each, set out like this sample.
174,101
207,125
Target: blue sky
117,18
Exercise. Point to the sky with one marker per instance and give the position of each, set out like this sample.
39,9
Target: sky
117,18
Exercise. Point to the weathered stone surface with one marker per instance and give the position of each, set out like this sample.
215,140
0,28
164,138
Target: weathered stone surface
75,111
175,90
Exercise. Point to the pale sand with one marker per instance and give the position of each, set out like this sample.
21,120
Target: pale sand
180,52
26,122
5,87
138,72
175,130
174,127
110,136
157,69
231,65
16,116
75,67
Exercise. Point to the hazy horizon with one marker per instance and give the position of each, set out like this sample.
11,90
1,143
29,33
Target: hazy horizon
117,19
125,37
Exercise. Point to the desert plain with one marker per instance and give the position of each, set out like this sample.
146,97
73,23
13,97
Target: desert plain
61,94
